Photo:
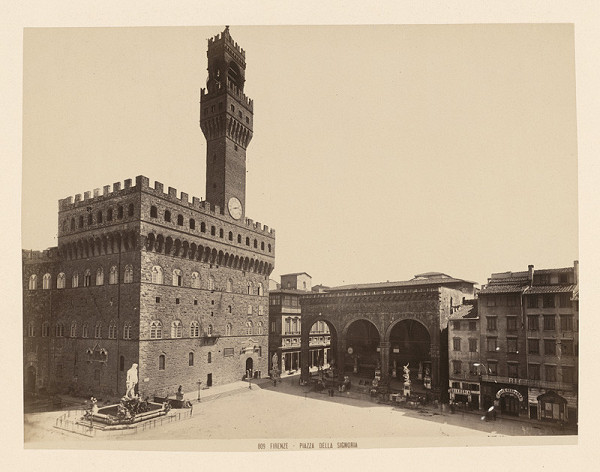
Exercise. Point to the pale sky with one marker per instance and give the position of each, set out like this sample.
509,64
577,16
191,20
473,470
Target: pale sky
379,152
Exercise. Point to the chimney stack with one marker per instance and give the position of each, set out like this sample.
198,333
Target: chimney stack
530,275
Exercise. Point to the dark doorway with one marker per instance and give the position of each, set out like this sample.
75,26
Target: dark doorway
30,379
249,369
509,405
209,380
533,412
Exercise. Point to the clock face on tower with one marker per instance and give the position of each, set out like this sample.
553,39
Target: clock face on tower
235,208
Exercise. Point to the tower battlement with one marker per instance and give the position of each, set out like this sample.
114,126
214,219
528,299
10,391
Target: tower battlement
233,90
226,38
142,184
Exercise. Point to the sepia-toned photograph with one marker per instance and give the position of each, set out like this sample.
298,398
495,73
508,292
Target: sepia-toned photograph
267,238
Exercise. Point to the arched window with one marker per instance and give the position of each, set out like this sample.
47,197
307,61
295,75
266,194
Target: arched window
228,329
72,224
221,233
261,310
192,223
99,217
194,329
90,219
230,236
59,330
113,275
211,283
153,212
73,330
109,214
213,231
177,278
191,359
85,331
112,330
75,280
127,331
98,330
157,275
229,308
60,280
294,325
259,328
120,212
249,309
239,239
81,221
180,220
46,281
247,241
195,280
249,288
87,278
255,244
161,362
262,245
249,326
31,330
33,282
209,358
269,247
203,227
209,330
128,277
176,329
167,215
45,329
229,287
259,289
288,329
130,210
155,330
100,276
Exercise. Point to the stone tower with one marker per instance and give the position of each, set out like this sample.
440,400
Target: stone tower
226,121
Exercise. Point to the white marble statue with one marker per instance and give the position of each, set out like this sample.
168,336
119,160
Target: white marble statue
132,380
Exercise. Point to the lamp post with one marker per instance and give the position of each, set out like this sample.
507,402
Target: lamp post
199,384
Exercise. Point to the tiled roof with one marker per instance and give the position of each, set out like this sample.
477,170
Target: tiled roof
405,283
295,273
550,289
465,311
575,294
509,281
501,288
553,271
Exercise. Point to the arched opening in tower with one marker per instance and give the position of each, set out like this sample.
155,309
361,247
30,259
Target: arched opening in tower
234,76
362,349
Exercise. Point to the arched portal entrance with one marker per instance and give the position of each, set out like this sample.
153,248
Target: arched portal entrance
410,343
30,379
362,346
249,367
322,345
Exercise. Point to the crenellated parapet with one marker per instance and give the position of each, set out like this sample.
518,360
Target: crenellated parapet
172,195
48,255
227,41
234,90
